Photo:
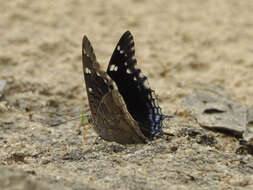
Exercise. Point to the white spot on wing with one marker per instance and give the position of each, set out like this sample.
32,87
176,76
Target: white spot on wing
121,51
135,79
125,63
118,47
90,89
146,85
87,70
128,71
113,68
141,75
135,68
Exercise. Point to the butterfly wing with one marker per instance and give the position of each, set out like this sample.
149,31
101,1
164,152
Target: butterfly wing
110,116
97,82
134,88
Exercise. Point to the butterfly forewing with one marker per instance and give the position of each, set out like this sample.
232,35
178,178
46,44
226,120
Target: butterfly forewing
133,86
95,79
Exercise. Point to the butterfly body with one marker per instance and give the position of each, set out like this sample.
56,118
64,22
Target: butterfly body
124,109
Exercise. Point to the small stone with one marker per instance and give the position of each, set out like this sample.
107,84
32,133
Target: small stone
3,84
216,110
248,134
45,162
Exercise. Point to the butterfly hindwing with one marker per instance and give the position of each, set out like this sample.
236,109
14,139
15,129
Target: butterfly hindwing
140,100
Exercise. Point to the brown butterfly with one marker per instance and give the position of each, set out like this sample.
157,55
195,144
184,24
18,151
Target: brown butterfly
123,107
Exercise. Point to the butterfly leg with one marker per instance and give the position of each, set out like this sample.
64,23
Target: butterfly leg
85,124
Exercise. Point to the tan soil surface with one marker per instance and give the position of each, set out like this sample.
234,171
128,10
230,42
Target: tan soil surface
179,44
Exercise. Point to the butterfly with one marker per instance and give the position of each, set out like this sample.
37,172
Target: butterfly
123,107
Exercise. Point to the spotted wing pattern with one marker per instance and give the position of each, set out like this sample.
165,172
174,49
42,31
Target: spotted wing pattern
139,98
110,117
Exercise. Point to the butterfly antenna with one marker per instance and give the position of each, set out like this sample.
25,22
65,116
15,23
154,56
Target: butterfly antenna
65,121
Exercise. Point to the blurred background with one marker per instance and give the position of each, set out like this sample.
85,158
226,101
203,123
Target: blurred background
179,43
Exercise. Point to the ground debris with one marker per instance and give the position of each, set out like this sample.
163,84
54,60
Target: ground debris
214,109
3,84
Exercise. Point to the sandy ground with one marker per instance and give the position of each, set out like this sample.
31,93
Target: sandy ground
179,44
